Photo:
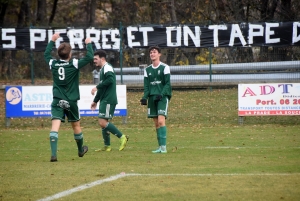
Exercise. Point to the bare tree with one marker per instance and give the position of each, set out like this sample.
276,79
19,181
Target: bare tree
3,7
54,6
173,12
24,17
132,9
229,11
41,12
91,6
286,11
155,13
267,9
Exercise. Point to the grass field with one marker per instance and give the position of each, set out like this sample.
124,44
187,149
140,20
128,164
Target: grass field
210,156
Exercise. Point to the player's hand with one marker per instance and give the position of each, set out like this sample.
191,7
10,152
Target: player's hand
94,90
143,101
158,98
55,37
93,106
88,40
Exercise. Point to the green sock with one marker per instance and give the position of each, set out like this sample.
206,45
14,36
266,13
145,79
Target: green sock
158,136
79,141
111,128
163,135
53,142
106,136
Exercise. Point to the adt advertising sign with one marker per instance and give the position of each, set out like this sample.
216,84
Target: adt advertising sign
269,99
35,101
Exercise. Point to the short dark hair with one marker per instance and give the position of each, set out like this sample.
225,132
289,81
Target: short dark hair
64,50
100,53
154,47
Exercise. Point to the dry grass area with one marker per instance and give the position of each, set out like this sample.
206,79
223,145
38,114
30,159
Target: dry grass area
210,156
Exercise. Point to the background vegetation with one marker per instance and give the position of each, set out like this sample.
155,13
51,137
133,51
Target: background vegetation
26,13
15,65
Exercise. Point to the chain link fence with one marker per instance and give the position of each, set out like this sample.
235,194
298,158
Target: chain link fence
189,66
191,69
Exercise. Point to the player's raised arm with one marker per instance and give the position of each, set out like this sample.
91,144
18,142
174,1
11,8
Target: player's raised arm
47,53
89,55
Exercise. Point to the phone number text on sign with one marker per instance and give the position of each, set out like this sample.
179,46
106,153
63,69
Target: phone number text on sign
269,99
281,102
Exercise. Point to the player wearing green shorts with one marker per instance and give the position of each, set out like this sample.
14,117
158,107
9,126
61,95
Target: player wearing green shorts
158,92
107,95
65,73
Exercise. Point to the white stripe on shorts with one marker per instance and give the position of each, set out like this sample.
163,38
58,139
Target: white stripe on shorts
166,111
107,110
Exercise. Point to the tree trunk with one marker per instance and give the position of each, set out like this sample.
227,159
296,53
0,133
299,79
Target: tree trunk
173,12
41,12
92,11
24,17
286,11
263,9
155,12
21,14
115,9
272,9
3,7
53,12
132,9
28,18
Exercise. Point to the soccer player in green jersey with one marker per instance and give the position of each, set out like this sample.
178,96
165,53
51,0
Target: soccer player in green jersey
65,74
158,92
107,94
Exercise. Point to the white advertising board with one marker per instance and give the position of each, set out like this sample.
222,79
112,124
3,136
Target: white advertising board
35,101
269,99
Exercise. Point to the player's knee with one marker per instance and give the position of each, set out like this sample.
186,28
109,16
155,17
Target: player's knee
103,123
161,123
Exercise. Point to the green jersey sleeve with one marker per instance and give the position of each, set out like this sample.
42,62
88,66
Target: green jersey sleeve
47,53
109,79
167,90
88,57
146,88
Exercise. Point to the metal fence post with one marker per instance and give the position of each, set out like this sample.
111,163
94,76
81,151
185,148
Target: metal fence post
7,119
7,122
124,119
210,70
142,67
95,76
121,53
32,67
241,120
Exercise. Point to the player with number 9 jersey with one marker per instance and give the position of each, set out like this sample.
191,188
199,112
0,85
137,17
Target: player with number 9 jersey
66,73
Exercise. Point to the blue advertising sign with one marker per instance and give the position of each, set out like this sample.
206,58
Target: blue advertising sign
35,101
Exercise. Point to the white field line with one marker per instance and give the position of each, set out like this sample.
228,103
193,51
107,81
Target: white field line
121,175
84,186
